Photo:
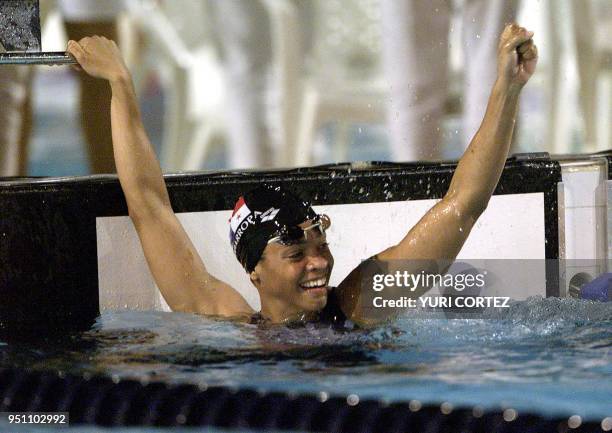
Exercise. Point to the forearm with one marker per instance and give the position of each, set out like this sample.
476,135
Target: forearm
482,163
139,171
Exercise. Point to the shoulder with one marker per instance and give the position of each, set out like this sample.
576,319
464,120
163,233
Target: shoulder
332,312
350,289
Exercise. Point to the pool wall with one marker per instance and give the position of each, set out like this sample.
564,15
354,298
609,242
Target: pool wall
48,227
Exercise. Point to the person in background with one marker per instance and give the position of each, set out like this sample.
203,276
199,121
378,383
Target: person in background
81,18
15,118
416,56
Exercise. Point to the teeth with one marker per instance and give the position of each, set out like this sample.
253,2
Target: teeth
314,283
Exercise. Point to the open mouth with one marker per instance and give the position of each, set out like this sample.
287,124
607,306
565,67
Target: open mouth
319,283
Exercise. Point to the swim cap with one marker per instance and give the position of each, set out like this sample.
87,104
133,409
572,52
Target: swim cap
260,215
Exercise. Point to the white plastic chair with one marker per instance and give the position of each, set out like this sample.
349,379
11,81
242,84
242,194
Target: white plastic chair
343,84
194,79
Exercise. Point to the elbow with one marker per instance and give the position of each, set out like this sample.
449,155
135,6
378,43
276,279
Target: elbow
136,210
145,214
475,208
134,215
468,206
146,206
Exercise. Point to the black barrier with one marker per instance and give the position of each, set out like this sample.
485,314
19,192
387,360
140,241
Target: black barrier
113,403
48,258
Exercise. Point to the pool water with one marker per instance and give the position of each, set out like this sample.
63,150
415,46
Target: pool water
545,356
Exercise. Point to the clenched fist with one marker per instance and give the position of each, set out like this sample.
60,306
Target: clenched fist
517,55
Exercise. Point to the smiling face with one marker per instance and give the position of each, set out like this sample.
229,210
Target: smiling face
292,280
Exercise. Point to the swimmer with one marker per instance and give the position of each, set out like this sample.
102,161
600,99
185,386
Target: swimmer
278,238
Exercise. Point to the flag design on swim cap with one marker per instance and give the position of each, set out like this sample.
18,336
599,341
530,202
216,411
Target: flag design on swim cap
239,221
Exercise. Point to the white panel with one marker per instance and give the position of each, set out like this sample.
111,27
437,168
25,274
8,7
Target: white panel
582,187
582,210
581,232
512,227
123,276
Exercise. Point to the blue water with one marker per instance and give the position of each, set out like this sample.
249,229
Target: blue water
546,356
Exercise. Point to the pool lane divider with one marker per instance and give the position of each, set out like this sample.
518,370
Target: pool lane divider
111,402
48,256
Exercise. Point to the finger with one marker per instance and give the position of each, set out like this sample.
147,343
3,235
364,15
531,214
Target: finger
509,34
519,37
531,54
509,28
523,48
76,50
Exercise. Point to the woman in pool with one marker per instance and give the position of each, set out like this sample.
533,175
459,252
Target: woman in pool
279,239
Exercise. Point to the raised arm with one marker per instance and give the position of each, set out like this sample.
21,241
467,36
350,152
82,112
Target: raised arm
174,262
441,233
437,238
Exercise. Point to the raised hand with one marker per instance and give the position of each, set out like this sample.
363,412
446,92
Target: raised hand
99,57
517,55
